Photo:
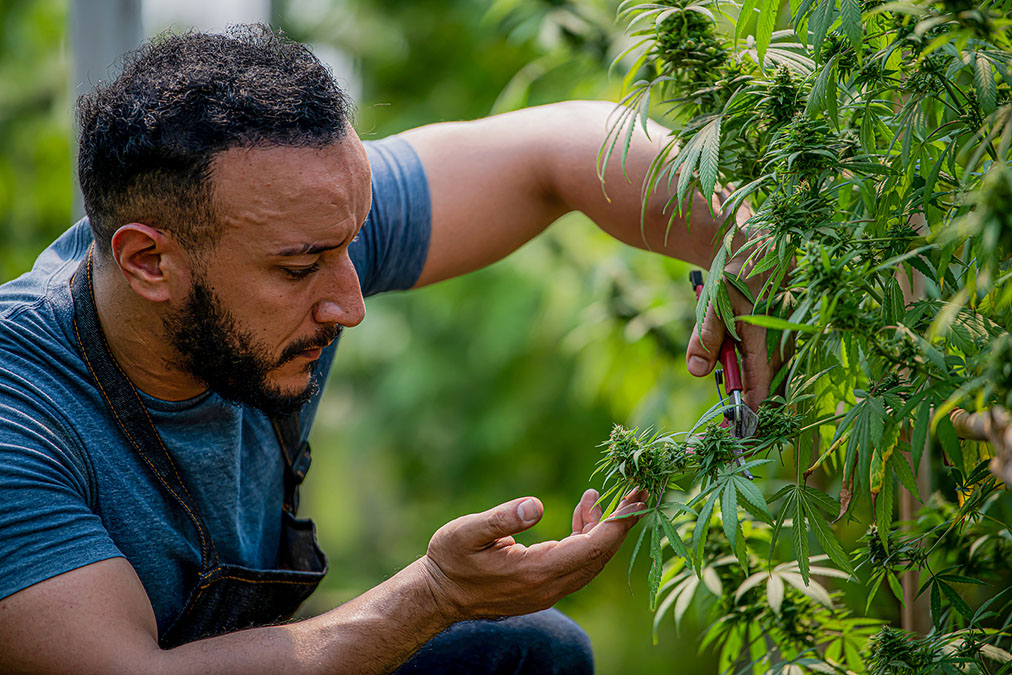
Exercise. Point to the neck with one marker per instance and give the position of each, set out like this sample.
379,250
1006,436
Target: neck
136,336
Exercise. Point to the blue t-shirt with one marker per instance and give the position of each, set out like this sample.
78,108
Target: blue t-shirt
73,492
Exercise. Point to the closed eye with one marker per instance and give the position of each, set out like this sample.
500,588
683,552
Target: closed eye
300,273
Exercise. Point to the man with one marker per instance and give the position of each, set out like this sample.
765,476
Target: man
161,365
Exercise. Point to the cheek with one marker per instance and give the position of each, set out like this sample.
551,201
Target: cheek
281,313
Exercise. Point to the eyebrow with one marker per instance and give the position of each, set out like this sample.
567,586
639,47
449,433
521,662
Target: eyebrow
305,249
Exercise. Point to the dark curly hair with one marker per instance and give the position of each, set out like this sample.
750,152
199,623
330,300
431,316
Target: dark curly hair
149,137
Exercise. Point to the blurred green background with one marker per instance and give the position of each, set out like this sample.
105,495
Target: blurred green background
457,397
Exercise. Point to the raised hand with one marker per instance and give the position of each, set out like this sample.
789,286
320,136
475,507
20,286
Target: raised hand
478,570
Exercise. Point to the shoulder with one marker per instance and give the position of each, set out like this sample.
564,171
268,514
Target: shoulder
43,379
391,249
54,266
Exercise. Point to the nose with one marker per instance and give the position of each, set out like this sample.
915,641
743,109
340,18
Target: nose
342,302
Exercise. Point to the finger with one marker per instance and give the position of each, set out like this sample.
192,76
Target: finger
593,548
583,513
594,518
636,495
757,367
704,344
476,531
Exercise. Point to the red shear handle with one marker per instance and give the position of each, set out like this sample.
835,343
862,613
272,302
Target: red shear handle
729,357
728,354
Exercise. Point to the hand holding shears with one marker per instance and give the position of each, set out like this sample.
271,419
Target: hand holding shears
738,416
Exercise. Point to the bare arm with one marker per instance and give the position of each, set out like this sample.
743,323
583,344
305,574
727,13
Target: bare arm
97,619
497,182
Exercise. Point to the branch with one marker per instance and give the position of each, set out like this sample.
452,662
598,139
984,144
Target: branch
993,426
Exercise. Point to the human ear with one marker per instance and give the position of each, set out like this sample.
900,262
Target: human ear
150,261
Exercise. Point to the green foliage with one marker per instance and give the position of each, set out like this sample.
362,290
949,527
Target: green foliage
869,145
35,132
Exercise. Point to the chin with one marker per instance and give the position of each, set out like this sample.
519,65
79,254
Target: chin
293,385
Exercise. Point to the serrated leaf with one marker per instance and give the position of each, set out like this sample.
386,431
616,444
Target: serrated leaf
665,605
800,537
996,653
700,532
792,496
961,579
656,562
817,96
832,107
764,28
725,311
895,587
729,512
812,589
676,543
872,592
817,498
955,599
744,16
936,606
801,12
764,321
750,583
740,286
775,592
901,468
685,599
710,158
983,79
741,549
818,25
827,540
685,165
751,494
850,21
706,296
712,581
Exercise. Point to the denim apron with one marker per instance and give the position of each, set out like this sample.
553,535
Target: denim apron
223,598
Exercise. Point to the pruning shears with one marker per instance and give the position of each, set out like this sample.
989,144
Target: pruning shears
740,418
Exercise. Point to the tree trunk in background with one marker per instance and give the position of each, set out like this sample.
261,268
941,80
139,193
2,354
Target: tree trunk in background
101,30
915,613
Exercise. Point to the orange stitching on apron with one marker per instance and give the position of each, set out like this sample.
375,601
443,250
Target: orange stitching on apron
205,586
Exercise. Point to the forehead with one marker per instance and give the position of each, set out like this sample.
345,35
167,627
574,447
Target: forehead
271,191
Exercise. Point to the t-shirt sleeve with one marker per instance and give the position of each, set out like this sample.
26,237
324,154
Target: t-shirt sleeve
46,525
391,248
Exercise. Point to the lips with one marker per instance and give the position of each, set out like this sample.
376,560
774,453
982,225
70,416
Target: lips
310,348
311,354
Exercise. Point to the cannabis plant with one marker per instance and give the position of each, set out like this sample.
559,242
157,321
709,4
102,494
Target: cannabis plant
868,144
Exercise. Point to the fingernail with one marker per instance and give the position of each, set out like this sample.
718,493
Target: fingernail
527,510
698,365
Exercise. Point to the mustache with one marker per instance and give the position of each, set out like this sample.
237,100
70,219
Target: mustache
323,337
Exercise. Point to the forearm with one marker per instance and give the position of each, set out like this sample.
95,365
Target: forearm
570,161
374,633
97,619
497,182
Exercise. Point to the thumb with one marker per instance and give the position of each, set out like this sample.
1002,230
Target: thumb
481,529
757,368
704,344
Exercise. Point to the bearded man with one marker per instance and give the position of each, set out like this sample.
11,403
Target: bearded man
160,368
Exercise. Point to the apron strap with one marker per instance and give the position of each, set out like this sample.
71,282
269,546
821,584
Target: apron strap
126,406
297,457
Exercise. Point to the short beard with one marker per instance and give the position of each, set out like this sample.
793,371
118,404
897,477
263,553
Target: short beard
211,347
